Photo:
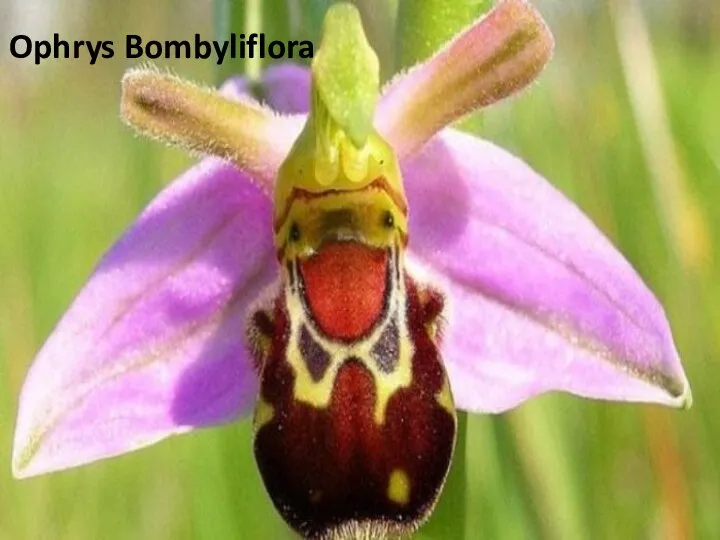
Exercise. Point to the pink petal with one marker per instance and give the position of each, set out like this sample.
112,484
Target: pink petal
236,87
539,299
496,57
153,345
285,88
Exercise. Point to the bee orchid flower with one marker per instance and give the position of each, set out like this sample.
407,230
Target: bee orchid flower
346,263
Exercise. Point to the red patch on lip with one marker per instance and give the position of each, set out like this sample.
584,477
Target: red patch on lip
345,286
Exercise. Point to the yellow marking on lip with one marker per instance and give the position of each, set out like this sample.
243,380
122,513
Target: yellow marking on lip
264,413
319,393
399,485
386,384
445,399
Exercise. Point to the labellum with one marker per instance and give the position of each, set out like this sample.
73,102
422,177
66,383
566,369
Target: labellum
355,422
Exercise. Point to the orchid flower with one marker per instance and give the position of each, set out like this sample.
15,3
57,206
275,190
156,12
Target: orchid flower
516,291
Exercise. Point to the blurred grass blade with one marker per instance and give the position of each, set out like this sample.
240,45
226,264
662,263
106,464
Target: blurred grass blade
681,215
541,444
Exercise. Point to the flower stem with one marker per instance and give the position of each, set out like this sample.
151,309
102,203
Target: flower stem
423,27
253,24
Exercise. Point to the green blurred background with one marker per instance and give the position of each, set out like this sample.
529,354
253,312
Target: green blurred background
626,121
